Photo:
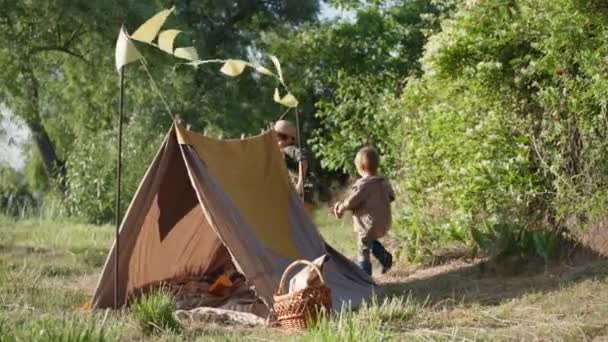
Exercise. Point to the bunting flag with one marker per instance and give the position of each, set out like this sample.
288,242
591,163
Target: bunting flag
151,33
126,52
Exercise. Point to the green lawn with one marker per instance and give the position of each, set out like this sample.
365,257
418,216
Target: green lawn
48,270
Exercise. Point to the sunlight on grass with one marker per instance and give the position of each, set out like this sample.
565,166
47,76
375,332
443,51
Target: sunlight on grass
338,233
62,327
47,270
347,326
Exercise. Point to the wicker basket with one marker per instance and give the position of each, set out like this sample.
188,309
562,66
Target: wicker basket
295,311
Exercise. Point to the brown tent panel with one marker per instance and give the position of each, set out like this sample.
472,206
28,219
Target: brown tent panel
204,203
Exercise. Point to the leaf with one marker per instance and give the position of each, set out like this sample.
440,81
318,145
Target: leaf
481,239
263,70
233,67
277,65
166,39
148,30
288,100
188,53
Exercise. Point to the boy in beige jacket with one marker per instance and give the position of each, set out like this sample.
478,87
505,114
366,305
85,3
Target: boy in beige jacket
370,201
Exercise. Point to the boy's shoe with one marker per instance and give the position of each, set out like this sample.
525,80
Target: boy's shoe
388,263
366,266
384,257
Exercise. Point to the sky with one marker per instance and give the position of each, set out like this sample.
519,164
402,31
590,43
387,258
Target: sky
13,133
330,13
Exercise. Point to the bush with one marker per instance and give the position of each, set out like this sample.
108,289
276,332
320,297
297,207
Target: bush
15,198
91,179
505,128
154,312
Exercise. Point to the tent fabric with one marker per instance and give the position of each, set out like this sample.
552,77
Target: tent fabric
204,202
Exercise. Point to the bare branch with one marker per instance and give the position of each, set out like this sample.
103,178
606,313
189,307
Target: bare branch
56,48
75,35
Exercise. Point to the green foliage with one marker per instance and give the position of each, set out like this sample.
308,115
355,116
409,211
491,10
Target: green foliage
59,77
505,240
490,115
15,198
154,312
351,71
542,59
91,178
422,229
504,130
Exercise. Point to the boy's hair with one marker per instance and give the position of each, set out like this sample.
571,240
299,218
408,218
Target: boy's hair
368,159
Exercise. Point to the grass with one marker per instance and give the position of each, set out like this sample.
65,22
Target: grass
154,312
49,269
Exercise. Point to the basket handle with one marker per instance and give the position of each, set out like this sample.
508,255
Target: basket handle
294,264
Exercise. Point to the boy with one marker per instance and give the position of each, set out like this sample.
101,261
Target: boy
370,201
296,160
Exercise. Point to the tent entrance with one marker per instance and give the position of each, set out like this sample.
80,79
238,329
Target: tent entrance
178,250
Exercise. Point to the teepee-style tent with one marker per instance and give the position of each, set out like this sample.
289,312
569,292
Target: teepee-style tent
205,202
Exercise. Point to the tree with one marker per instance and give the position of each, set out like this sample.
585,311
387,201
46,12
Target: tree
58,76
348,71
36,39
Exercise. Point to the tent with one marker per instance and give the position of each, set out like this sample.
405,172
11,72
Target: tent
204,202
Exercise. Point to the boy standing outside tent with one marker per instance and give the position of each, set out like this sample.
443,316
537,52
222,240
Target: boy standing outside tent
370,201
296,160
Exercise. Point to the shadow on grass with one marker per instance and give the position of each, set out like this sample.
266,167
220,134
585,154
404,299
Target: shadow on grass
491,283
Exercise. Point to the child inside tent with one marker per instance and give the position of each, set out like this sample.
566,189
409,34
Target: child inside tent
297,161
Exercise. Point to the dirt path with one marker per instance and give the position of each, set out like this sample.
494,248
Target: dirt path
479,281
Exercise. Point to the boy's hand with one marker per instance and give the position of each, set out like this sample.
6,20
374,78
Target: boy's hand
300,188
336,210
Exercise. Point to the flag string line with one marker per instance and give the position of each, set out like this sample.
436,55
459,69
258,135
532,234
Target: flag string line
157,88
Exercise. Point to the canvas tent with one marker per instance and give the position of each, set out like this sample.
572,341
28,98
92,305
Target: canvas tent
204,202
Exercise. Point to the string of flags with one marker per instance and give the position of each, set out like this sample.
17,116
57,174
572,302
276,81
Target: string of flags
150,33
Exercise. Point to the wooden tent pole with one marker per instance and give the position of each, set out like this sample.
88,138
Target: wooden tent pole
118,179
299,141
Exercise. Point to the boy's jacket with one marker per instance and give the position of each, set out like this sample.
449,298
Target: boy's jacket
370,201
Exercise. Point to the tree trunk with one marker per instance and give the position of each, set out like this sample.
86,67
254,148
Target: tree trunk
53,166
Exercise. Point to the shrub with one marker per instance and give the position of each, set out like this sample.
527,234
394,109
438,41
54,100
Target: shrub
154,312
91,179
15,198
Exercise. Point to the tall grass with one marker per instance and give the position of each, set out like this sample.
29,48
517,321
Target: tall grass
64,329
347,326
154,312
397,309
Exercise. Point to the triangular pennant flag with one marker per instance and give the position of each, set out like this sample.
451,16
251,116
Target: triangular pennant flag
125,50
288,100
166,39
188,53
148,30
233,67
